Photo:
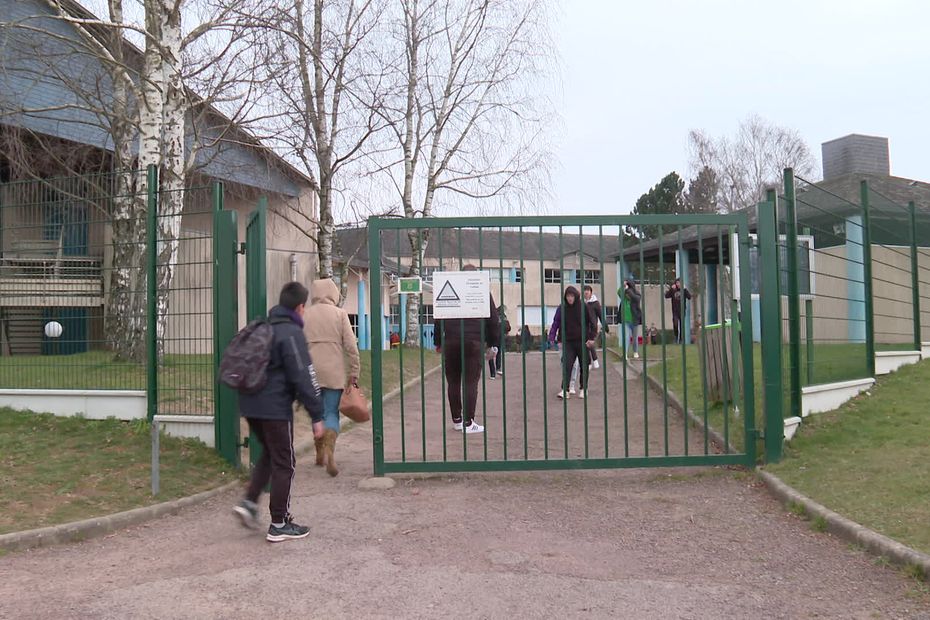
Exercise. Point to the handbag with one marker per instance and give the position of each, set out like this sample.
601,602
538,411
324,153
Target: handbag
353,404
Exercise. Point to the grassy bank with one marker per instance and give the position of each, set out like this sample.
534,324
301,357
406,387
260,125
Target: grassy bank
55,470
869,460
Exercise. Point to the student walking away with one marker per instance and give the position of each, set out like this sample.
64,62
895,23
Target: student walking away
269,412
462,342
526,338
679,296
495,364
592,301
576,329
333,346
632,315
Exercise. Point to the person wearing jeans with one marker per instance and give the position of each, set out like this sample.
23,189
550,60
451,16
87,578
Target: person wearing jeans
632,314
332,343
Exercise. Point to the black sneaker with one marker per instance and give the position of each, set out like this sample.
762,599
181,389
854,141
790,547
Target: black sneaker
248,513
286,532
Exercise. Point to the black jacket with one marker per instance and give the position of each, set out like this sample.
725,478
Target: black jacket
290,375
571,320
469,330
678,298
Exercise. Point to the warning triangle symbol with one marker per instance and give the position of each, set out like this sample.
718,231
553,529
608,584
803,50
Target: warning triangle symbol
447,293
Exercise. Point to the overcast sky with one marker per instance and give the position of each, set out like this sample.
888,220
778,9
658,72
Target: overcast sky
637,76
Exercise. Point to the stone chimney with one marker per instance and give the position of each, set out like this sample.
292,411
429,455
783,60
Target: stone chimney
855,153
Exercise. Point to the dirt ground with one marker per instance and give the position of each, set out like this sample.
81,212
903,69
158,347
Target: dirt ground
681,543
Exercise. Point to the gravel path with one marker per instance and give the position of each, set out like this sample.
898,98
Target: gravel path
684,543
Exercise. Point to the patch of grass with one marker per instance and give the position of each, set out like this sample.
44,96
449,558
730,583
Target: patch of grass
392,369
55,470
914,571
797,510
819,524
868,459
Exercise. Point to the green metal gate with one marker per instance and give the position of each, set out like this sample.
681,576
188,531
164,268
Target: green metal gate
674,402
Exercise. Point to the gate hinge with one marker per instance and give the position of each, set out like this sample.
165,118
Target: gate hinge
245,442
242,247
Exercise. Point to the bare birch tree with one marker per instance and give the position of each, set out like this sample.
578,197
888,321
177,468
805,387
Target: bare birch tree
752,160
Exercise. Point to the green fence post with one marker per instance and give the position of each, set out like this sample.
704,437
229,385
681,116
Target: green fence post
225,323
867,277
377,342
256,285
741,324
770,304
809,320
915,276
794,298
151,319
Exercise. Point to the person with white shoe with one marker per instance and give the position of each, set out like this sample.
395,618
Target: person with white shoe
632,314
592,301
463,353
576,329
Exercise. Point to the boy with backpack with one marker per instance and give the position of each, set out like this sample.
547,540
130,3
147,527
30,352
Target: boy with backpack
269,408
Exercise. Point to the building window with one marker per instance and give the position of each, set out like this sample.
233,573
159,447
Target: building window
496,274
552,276
592,276
611,313
517,275
394,320
353,320
426,314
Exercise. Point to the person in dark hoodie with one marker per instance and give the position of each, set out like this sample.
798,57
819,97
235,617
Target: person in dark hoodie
576,328
270,415
461,341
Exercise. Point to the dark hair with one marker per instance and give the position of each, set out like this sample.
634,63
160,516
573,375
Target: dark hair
587,287
292,295
469,267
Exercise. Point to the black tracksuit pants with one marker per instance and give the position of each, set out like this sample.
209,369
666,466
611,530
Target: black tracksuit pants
572,350
462,381
276,463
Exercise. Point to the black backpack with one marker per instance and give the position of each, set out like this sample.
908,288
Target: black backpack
245,360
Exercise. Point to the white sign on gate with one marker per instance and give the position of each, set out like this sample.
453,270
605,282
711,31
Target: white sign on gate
461,295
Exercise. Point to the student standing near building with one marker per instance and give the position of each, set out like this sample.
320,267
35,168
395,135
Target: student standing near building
332,343
462,342
592,301
679,296
270,415
632,315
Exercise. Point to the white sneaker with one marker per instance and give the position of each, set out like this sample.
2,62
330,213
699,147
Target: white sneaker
596,364
562,394
581,394
474,427
457,426
571,388
636,355
500,372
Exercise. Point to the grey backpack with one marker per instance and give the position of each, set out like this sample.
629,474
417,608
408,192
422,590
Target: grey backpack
245,360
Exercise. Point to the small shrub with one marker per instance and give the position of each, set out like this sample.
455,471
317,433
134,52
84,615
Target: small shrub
819,524
797,510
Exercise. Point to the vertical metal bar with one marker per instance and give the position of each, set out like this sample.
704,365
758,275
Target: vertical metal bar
770,299
583,371
400,356
377,344
445,347
566,372
603,334
723,346
642,330
702,278
684,351
156,453
422,306
744,320
545,344
867,277
662,331
526,446
225,321
500,260
463,387
151,292
794,298
256,289
484,392
625,336
809,320
915,277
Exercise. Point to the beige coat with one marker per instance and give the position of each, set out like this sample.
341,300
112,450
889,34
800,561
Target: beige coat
330,336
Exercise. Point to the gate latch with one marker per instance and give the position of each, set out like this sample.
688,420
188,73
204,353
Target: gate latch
241,248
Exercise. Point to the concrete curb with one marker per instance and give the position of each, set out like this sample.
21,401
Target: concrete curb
837,524
100,526
846,529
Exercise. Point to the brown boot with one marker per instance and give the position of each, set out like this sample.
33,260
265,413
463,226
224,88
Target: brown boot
329,439
318,443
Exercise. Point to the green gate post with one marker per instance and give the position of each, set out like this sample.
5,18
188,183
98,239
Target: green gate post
770,304
915,277
377,342
225,323
256,284
794,298
741,326
151,319
867,276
